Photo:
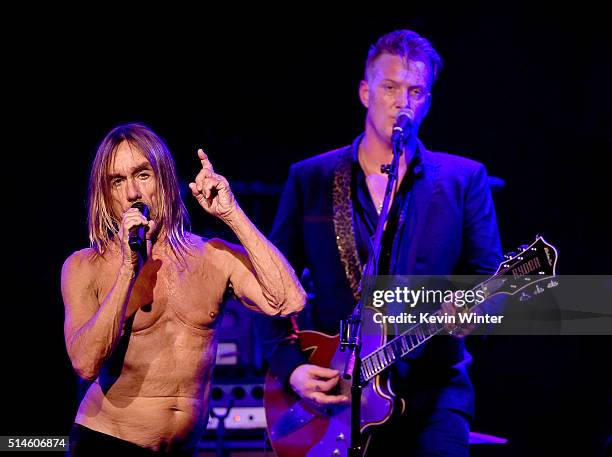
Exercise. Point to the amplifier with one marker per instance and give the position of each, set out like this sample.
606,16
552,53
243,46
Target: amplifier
240,394
238,418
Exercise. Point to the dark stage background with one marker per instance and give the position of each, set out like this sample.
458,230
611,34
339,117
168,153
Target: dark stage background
526,95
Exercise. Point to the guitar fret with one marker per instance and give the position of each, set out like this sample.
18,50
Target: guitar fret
419,334
393,347
383,359
412,341
433,329
364,368
398,347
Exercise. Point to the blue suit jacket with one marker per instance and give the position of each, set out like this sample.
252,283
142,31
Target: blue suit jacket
448,226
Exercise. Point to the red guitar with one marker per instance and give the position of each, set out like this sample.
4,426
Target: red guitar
297,429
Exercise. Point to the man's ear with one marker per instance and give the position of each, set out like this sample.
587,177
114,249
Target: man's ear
364,93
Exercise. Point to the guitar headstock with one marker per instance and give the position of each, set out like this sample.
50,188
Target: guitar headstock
531,265
539,258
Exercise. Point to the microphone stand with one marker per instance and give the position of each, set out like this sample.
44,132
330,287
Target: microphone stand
350,329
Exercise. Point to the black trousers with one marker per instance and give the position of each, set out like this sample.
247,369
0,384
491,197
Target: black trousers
87,442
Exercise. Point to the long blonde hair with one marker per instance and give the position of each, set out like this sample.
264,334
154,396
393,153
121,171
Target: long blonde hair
172,215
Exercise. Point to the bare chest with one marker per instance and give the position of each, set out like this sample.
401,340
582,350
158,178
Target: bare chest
191,295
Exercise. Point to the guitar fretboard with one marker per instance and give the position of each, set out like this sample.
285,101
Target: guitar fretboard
511,277
401,345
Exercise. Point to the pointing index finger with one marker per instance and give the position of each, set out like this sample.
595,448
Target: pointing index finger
204,159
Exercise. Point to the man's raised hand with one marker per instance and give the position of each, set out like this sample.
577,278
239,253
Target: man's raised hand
212,190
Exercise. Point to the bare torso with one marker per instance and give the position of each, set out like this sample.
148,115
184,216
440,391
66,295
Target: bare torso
153,390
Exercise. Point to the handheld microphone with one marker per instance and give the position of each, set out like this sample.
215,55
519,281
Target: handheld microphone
137,238
403,125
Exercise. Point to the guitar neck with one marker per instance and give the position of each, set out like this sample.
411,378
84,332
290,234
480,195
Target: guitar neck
418,334
540,258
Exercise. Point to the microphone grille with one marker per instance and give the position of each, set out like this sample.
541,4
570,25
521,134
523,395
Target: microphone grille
142,207
406,112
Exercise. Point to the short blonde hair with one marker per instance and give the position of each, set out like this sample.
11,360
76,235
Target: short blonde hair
406,44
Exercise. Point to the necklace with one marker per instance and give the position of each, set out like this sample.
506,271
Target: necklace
375,185
376,182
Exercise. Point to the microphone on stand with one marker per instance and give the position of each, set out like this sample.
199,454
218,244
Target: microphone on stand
403,126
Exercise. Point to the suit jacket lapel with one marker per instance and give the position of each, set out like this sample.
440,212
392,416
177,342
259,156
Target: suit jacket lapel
414,215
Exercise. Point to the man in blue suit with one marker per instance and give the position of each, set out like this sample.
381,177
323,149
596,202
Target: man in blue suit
441,221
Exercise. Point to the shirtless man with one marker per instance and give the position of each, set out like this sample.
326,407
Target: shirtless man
145,331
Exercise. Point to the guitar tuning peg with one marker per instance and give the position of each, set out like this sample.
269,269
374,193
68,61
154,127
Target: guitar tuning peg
509,255
523,247
552,283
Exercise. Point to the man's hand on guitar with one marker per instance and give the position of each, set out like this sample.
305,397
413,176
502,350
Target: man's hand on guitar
312,383
457,329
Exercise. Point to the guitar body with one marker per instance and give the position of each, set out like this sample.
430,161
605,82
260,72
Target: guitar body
298,429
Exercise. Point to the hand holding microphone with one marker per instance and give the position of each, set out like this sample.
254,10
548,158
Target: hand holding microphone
137,234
